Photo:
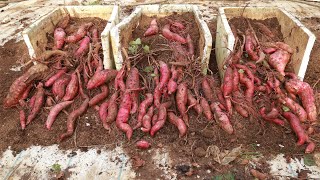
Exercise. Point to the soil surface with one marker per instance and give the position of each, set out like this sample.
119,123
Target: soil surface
188,154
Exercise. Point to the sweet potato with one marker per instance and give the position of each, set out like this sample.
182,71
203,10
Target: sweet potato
270,50
265,30
133,83
208,93
72,88
99,97
39,100
310,147
83,48
279,60
171,35
194,103
123,115
162,117
101,77
156,76
154,119
142,144
250,45
246,70
71,121
157,97
153,29
56,76
118,82
178,122
103,113
284,46
270,119
82,31
59,36
146,120
164,75
143,108
172,84
190,45
182,100
19,86
112,110
295,108
22,116
55,110
296,127
227,82
26,92
176,25
306,94
206,109
59,86
221,118
249,92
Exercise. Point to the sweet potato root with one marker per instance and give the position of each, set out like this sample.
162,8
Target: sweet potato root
101,77
26,92
182,100
133,83
172,84
19,86
56,76
206,109
178,122
296,127
190,45
206,88
250,43
270,119
164,75
123,115
146,120
162,117
279,60
59,86
295,108
157,97
249,92
99,97
103,113
83,48
112,111
221,118
72,88
118,82
143,108
39,100
310,147
265,30
171,35
194,103
153,29
142,144
227,82
71,121
59,36
55,110
82,31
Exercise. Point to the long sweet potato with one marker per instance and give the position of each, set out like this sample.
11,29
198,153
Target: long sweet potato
162,117
296,127
26,92
249,92
250,45
83,48
153,29
146,120
179,123
59,36
39,100
112,111
55,110
182,100
118,81
133,82
19,86
157,97
172,84
72,88
295,108
71,121
221,118
194,103
101,77
123,115
99,97
227,82
82,31
206,109
103,113
206,88
171,35
143,108
190,45
56,76
270,119
164,75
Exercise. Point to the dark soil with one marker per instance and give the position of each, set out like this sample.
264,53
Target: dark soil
255,136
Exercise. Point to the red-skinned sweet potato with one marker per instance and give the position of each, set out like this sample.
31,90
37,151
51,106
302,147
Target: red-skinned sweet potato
56,76
206,109
55,110
182,100
206,88
83,48
227,82
249,92
153,29
310,147
112,111
270,119
133,82
99,97
194,103
171,35
58,36
26,92
59,86
250,43
221,118
103,113
172,84
63,23
143,108
101,77
123,115
164,75
118,82
39,100
296,127
82,31
142,144
179,123
146,120
190,45
279,60
162,117
295,108
72,88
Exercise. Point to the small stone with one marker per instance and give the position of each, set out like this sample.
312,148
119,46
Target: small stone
192,134
198,176
200,152
208,171
280,145
87,124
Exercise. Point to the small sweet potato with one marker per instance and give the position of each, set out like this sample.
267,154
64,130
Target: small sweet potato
157,97
132,82
190,45
82,31
172,84
162,117
39,100
123,115
164,75
295,108
83,48
249,92
59,86
227,82
265,30
221,118
112,110
296,127
182,100
206,109
63,23
56,76
118,82
178,122
142,144
153,29
310,147
279,60
250,43
270,119
55,110
206,88
171,35
194,103
143,108
146,120
99,97
72,88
